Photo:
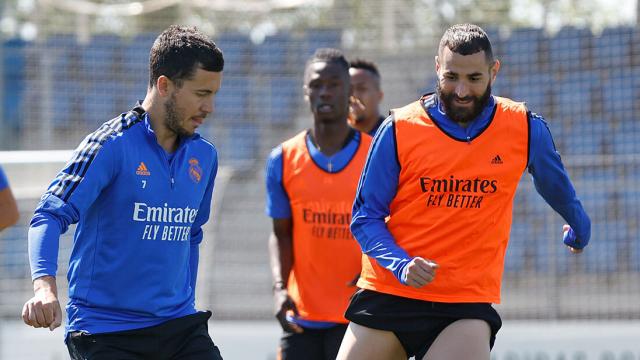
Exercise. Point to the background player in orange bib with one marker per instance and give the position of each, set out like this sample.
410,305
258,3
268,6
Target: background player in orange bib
311,182
444,171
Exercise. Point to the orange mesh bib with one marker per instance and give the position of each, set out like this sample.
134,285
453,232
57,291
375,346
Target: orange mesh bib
326,256
454,204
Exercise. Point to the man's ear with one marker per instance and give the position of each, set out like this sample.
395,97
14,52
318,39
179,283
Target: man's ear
164,85
305,91
494,70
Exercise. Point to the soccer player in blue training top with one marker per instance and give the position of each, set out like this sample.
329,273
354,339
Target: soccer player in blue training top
8,209
140,190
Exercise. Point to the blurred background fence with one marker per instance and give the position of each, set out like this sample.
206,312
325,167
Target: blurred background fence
66,66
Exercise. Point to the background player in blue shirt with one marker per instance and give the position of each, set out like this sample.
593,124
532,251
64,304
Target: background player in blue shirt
8,209
140,190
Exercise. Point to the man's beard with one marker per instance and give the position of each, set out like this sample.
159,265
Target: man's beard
172,118
463,115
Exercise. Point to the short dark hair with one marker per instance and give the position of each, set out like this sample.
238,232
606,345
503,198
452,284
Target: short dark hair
466,39
363,64
179,51
328,55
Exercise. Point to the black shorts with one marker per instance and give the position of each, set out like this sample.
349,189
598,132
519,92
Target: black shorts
416,323
182,338
312,344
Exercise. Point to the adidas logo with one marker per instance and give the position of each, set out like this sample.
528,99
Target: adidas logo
496,160
142,170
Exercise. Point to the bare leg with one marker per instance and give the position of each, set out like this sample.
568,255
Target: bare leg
363,343
462,340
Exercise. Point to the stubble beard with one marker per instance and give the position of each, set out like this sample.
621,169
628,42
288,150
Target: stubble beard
172,118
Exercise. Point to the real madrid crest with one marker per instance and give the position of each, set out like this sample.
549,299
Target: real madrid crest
195,171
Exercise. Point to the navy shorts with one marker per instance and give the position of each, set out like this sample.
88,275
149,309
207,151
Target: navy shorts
182,338
416,323
312,344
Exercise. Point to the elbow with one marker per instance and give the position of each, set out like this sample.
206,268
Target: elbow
355,226
357,230
9,218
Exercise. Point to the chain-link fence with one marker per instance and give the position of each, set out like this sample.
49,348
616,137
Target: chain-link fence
72,69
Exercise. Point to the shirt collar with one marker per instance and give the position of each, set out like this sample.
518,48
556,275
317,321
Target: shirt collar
436,112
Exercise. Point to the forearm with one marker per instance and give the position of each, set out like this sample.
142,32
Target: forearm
197,234
559,193
44,239
575,215
281,258
554,185
377,242
376,190
552,180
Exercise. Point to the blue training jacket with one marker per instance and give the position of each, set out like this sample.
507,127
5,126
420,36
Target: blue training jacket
140,214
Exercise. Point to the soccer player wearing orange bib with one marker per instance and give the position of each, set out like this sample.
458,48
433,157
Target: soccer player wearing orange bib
311,183
433,209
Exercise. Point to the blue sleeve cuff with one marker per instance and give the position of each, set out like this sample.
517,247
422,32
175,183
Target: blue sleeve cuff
574,214
569,238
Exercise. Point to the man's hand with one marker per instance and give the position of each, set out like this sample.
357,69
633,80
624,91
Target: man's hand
419,272
284,304
569,239
43,309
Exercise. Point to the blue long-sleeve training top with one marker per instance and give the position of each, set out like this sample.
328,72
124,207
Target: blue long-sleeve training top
379,182
140,214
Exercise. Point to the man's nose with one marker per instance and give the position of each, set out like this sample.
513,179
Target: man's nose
462,89
324,91
207,106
